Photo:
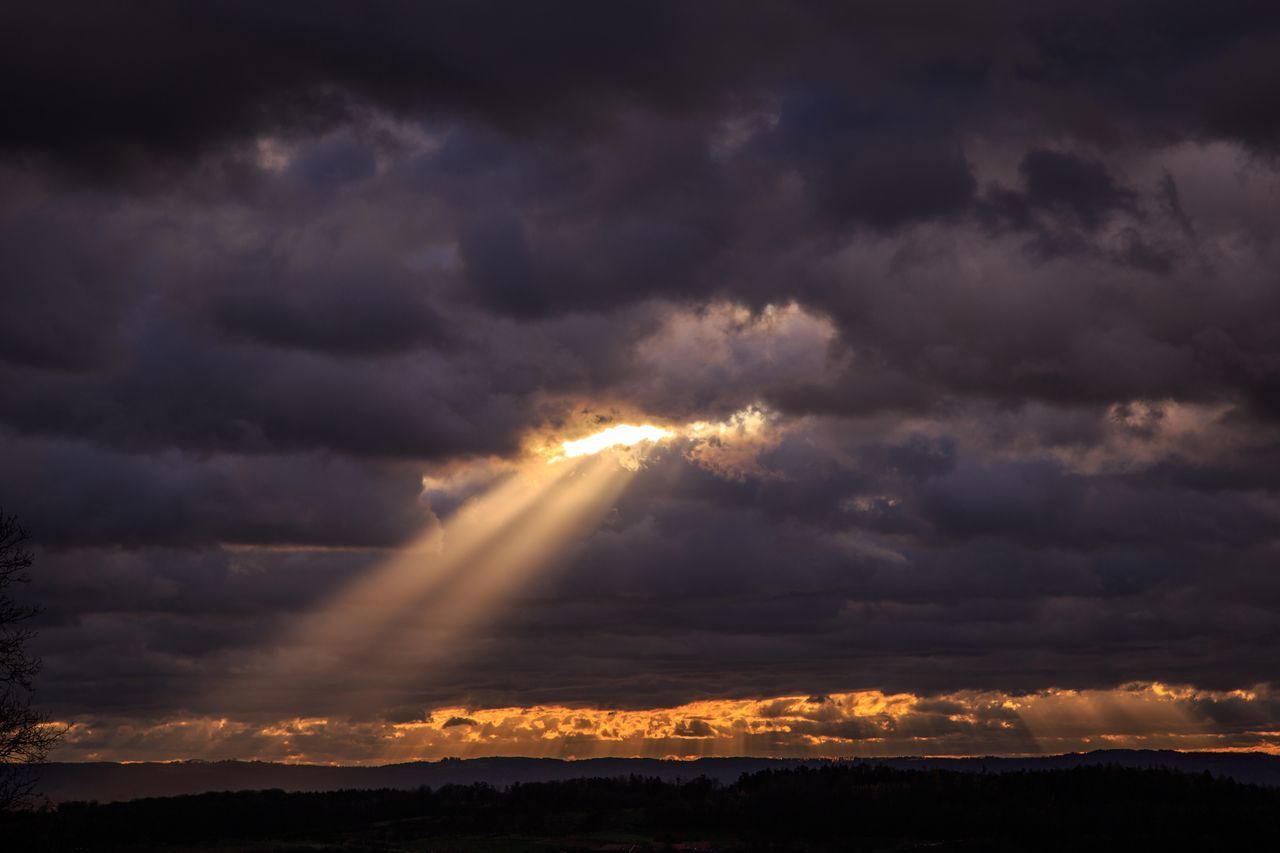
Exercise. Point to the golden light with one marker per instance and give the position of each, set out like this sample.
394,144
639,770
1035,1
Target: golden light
622,435
377,640
835,725
395,628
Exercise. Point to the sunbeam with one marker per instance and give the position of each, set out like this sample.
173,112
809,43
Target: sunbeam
386,635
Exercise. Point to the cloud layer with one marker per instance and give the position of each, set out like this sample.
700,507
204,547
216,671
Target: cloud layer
982,297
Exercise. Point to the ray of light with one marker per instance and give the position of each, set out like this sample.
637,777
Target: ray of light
391,630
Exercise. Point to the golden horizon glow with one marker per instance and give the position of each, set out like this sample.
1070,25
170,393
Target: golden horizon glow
867,723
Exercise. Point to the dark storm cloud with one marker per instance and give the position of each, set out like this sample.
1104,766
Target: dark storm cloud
875,164
76,493
170,84
1074,191
1003,275
351,305
64,274
240,398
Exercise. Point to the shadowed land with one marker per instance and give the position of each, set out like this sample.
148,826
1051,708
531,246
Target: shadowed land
108,781
832,807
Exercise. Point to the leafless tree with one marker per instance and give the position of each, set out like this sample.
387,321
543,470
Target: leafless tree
25,734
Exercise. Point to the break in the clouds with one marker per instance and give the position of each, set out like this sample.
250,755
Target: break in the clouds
962,320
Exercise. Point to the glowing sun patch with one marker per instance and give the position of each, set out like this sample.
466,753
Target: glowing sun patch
622,435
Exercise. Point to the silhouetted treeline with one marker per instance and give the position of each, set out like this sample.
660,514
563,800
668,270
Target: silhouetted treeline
828,808
106,781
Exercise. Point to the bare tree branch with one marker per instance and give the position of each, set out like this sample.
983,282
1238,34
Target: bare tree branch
26,735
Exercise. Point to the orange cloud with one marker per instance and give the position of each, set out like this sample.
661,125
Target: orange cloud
858,724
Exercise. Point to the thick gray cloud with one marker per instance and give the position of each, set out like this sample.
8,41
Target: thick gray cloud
1002,278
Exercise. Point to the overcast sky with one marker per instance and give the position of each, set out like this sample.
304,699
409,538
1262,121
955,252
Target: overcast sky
980,298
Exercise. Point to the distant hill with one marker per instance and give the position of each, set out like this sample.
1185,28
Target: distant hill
106,782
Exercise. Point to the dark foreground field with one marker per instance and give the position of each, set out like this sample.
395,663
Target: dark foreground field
828,808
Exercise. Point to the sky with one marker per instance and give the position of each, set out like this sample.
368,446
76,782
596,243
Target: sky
952,330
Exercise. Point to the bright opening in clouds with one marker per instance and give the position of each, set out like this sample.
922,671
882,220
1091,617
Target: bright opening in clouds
622,435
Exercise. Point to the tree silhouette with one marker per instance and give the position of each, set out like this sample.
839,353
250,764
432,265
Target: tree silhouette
25,734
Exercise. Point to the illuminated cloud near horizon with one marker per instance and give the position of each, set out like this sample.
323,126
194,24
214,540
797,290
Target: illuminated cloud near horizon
868,723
